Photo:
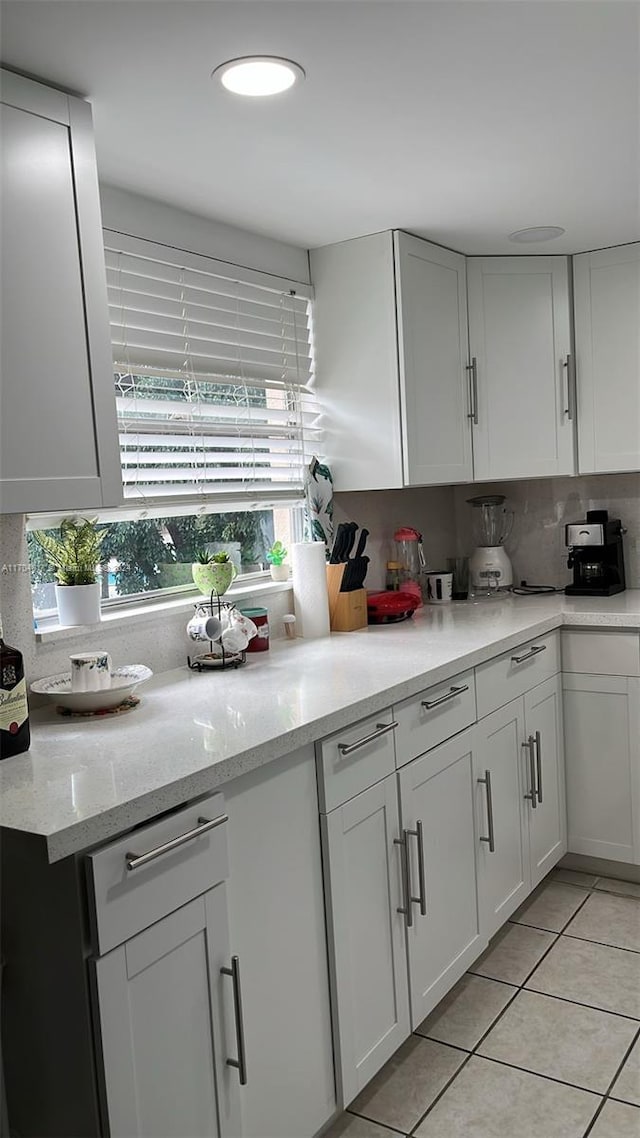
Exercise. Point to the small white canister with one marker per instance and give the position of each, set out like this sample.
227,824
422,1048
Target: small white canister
439,588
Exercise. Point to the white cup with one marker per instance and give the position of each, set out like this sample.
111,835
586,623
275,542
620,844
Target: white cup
90,671
204,628
439,588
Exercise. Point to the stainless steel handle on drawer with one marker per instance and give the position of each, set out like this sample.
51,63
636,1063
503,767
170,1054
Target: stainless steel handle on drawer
422,899
403,842
135,861
472,368
381,729
532,795
486,782
451,694
528,655
241,1061
539,765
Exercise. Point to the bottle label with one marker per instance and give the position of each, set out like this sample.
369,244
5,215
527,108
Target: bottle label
13,707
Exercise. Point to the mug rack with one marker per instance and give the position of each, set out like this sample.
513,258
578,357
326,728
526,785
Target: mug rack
210,660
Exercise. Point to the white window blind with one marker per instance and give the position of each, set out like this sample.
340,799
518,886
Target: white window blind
213,379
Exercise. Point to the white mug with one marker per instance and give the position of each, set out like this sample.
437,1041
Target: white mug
204,627
439,588
90,671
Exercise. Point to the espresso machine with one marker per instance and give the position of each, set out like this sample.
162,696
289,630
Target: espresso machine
595,555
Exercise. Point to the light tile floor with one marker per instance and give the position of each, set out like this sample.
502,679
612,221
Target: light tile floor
540,1039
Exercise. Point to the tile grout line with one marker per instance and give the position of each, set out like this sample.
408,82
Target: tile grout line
604,943
383,1125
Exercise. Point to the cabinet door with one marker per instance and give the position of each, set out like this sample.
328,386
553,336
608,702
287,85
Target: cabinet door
519,334
436,796
366,933
277,921
607,313
503,862
56,354
165,1039
432,338
602,750
547,822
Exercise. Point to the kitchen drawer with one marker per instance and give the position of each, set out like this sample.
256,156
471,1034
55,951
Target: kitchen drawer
433,716
602,653
515,672
126,900
353,759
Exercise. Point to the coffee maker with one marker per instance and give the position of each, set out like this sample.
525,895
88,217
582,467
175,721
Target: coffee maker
595,555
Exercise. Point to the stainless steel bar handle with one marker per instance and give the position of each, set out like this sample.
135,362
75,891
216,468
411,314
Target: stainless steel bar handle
570,409
528,655
422,899
539,765
403,842
472,368
241,1061
451,694
532,796
486,782
134,861
381,729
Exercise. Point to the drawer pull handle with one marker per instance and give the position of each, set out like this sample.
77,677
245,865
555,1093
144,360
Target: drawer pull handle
532,796
135,861
422,899
406,909
539,764
241,1061
528,655
451,694
491,840
381,729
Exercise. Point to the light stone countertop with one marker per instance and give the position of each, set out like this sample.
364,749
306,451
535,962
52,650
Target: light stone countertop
84,781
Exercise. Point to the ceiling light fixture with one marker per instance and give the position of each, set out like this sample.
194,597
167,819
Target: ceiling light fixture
536,233
258,75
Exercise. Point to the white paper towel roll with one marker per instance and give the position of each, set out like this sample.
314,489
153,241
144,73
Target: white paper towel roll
309,579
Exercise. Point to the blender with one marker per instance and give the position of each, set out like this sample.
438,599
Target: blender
410,555
489,567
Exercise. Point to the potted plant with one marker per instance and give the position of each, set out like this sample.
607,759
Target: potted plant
275,557
213,572
75,557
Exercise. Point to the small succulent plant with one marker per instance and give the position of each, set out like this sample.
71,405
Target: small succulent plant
277,553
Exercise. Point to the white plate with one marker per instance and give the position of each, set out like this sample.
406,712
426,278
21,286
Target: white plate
123,681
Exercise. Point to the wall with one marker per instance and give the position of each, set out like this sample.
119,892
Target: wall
156,221
541,509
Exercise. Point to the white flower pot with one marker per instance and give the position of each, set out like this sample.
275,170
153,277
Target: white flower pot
279,572
78,604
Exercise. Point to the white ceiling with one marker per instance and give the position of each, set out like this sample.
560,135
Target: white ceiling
459,121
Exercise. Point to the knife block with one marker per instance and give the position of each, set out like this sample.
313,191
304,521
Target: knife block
347,611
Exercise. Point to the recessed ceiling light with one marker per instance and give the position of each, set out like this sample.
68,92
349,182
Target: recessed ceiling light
536,233
258,75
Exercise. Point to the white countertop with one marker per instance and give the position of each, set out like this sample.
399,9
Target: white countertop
84,780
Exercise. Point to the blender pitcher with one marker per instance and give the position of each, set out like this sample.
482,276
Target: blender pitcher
410,554
489,566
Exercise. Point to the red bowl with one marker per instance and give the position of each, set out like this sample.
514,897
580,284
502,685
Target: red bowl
389,606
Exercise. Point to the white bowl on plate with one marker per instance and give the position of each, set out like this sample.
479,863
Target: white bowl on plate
123,681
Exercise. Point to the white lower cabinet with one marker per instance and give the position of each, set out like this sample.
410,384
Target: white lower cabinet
164,1038
443,924
520,800
363,871
602,743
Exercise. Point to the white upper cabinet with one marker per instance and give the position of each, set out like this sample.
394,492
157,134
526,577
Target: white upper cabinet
432,339
519,338
58,433
607,315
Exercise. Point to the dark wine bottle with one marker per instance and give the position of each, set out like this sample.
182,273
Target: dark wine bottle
15,735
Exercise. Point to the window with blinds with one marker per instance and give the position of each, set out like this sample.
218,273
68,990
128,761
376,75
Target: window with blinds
213,379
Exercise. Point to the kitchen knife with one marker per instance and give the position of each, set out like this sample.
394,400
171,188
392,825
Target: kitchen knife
338,543
362,541
352,529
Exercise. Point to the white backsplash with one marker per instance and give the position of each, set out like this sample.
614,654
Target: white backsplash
541,509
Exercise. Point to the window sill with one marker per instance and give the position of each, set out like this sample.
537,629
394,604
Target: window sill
50,631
